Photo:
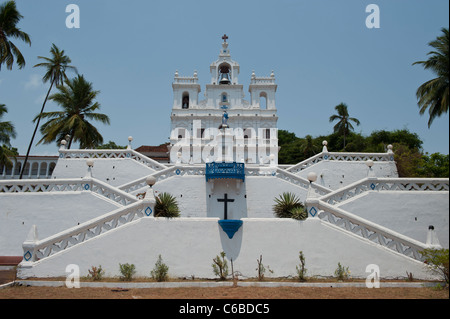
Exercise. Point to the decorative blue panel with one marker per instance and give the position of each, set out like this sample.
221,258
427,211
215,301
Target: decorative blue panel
27,256
148,211
225,170
372,186
86,187
230,226
313,211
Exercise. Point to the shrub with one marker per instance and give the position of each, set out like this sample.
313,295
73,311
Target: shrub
301,271
342,272
161,270
220,266
437,261
261,269
166,206
96,273
289,206
127,271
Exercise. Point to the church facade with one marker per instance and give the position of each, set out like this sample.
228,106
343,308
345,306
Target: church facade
196,131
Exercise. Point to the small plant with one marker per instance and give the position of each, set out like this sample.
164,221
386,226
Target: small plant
342,273
96,273
437,261
409,276
220,266
166,206
289,206
160,272
261,269
127,271
301,271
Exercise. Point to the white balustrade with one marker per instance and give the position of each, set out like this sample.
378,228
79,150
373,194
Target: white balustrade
66,185
36,250
338,156
104,154
386,184
370,231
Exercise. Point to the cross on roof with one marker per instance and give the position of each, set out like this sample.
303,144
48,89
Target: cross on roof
225,37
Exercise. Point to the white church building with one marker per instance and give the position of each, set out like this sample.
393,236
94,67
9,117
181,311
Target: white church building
97,208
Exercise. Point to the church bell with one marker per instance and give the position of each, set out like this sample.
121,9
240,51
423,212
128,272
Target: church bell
224,79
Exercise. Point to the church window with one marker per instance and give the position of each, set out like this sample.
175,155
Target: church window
224,97
185,100
263,100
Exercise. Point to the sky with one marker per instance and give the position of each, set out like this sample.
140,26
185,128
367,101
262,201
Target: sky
322,54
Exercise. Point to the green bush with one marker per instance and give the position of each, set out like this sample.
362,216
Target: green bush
166,206
289,206
220,266
127,271
437,261
342,272
301,271
161,270
96,273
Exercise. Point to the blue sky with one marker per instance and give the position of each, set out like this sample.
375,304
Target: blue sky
321,52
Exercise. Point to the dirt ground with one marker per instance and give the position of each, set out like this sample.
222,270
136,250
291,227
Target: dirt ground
21,292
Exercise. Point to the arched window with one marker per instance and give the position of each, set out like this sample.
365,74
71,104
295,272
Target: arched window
224,98
224,74
263,100
185,100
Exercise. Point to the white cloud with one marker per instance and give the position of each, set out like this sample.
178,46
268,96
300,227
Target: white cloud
34,82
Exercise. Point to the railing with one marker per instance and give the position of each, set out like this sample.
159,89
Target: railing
386,184
67,185
123,153
338,156
162,175
373,232
36,250
225,170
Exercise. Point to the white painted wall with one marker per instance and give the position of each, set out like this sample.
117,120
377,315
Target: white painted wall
193,195
114,171
50,212
409,213
337,174
188,246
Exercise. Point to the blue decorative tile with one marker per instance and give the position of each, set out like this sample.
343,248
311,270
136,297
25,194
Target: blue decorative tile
86,187
178,172
325,157
230,226
27,256
128,155
313,211
148,211
372,186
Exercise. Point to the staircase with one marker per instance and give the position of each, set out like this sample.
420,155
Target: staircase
7,268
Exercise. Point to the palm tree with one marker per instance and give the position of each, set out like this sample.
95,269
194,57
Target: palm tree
9,18
77,101
344,125
7,132
166,206
56,74
433,94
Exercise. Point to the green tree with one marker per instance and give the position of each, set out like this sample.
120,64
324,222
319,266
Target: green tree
166,206
110,146
344,124
56,67
433,95
289,206
7,131
77,99
9,18
434,165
